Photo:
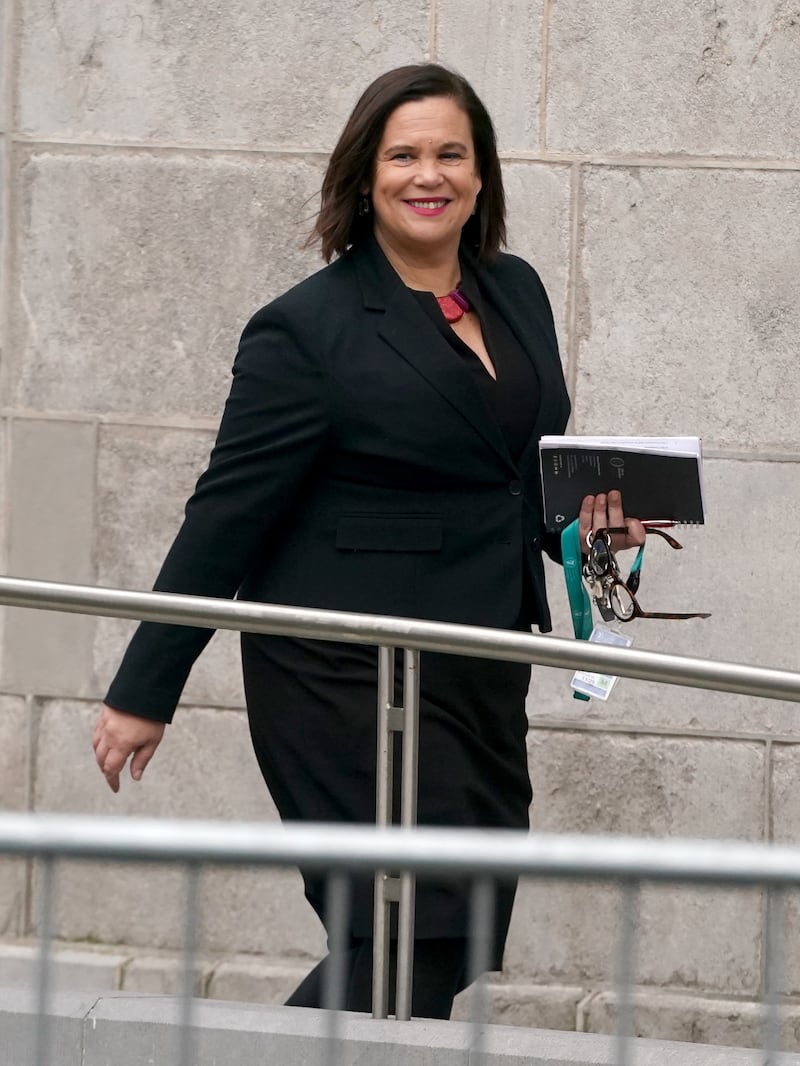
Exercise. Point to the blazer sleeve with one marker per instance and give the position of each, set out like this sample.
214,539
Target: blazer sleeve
272,434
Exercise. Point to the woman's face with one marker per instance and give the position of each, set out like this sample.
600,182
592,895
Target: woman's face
426,178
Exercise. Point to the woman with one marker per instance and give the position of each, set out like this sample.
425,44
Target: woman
378,453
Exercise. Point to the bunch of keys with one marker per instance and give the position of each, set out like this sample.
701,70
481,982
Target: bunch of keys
602,575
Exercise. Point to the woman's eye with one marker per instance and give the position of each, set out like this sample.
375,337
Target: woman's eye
450,156
401,157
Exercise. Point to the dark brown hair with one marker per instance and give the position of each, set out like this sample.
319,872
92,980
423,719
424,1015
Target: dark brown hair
339,226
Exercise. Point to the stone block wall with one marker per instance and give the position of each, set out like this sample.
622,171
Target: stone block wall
159,167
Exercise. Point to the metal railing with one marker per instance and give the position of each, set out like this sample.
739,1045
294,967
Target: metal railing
412,636
402,632
342,851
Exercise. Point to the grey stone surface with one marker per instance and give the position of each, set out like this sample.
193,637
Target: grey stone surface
249,72
699,1019
785,827
754,614
4,116
20,1024
650,786
204,768
18,965
497,47
71,970
145,1027
641,76
51,528
5,432
539,219
162,976
251,980
3,140
144,477
694,328
138,272
15,733
129,1030
537,1006
536,1047
78,971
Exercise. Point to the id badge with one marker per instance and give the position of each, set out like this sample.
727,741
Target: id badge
599,686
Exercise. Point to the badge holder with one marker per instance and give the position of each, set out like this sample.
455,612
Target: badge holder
586,684
599,686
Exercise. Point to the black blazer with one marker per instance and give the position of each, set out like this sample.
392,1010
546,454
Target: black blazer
357,468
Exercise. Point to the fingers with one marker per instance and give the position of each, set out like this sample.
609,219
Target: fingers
117,737
637,534
140,760
616,516
605,511
586,519
110,760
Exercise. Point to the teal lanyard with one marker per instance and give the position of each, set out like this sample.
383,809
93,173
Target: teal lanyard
579,603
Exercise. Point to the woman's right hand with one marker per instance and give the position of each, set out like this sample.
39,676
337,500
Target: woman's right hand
117,736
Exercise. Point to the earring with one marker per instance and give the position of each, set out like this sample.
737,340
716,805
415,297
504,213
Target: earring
363,205
474,207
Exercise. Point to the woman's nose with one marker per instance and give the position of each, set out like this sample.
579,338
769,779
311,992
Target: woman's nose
428,172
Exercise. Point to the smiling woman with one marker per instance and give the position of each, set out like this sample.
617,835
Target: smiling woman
378,453
425,186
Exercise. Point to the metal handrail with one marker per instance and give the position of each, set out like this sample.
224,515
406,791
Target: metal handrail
353,628
331,848
356,848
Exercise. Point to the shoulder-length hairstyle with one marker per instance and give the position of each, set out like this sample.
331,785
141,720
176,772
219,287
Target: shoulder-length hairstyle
339,224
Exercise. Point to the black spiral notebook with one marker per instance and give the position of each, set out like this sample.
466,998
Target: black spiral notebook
661,478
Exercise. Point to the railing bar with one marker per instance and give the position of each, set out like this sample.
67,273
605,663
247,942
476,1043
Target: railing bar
405,945
383,817
481,936
408,819
411,680
380,950
41,1020
427,850
626,972
348,627
337,908
773,946
188,989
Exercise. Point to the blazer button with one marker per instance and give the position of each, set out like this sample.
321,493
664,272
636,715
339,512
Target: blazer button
515,487
535,542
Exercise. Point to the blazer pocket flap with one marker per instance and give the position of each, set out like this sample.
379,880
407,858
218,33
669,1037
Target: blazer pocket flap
389,533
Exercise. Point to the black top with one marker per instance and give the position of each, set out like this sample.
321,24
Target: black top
513,399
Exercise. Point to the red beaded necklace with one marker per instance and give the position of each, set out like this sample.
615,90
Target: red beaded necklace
454,305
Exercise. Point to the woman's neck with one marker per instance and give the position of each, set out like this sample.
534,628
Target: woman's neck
432,271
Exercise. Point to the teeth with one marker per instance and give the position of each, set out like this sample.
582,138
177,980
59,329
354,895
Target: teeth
430,205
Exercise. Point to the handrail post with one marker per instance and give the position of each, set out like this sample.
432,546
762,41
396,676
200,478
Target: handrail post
390,888
383,817
408,818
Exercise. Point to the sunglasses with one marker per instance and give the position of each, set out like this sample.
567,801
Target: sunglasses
615,598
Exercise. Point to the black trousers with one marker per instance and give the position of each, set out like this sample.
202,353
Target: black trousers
440,972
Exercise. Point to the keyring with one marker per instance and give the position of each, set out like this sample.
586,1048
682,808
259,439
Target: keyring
610,529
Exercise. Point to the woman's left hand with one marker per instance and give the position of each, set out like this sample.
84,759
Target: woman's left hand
604,511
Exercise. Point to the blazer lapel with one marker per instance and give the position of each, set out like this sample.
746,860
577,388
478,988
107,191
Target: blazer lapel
409,331
539,344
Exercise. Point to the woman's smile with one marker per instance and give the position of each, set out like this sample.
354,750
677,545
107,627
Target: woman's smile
428,207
